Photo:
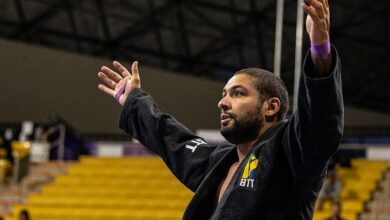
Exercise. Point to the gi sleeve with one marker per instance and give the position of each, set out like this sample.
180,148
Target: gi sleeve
185,154
315,129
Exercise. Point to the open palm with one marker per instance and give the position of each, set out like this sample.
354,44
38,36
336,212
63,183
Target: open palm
117,85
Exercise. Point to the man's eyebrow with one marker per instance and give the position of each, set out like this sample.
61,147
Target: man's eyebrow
233,88
238,87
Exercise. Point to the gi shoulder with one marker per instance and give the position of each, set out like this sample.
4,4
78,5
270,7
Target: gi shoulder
220,152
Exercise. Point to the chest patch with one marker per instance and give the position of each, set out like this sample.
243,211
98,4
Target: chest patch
248,179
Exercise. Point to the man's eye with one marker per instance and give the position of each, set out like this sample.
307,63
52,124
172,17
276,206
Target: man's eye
237,93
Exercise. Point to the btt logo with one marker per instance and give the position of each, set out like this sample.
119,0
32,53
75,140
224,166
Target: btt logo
248,176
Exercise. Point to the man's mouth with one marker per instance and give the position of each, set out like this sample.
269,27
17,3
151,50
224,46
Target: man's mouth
225,118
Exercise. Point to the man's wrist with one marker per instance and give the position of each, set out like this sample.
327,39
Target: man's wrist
321,50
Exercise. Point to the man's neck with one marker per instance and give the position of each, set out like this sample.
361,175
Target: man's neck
245,148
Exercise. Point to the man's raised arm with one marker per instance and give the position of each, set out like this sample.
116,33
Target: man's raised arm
186,154
315,129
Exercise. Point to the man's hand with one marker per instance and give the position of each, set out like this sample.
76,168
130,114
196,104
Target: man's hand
318,21
317,26
119,86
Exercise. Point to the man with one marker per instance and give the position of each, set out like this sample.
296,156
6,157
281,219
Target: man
274,168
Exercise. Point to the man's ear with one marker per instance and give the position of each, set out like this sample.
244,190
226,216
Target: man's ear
271,109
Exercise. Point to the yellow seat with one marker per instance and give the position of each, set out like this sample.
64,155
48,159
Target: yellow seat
22,148
322,215
112,188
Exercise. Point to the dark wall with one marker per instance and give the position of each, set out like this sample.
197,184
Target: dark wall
36,81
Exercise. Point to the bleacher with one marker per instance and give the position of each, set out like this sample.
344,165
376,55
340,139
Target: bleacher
123,188
359,183
144,188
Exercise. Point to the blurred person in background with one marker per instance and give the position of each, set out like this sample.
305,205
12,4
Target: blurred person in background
331,190
336,212
24,215
5,145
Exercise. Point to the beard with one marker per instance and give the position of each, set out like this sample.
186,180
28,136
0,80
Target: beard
245,128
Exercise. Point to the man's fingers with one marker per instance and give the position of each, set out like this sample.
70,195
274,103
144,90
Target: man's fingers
311,12
112,74
319,7
106,90
121,69
325,7
134,70
107,80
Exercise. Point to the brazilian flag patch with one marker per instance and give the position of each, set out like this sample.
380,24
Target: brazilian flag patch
248,176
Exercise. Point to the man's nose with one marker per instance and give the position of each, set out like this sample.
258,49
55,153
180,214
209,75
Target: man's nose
223,104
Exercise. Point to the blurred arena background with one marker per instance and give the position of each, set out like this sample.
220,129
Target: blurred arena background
62,154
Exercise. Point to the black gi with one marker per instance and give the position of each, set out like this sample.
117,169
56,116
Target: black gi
279,179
